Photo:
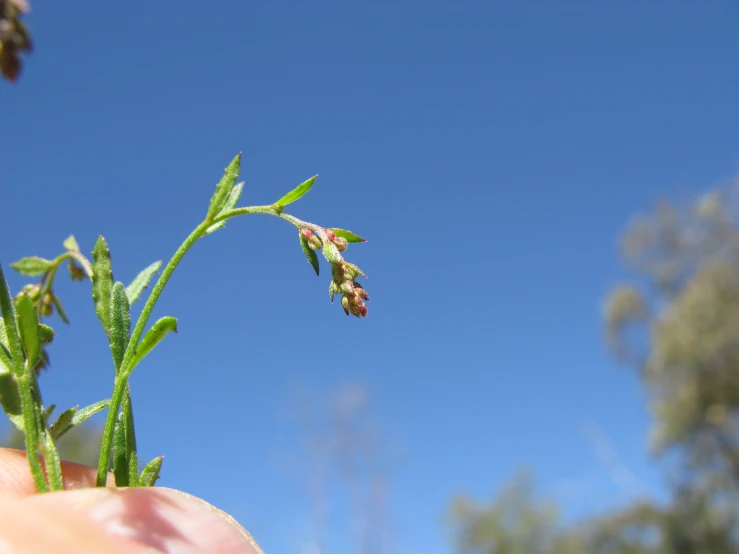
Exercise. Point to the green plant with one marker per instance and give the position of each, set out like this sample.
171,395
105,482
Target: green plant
24,338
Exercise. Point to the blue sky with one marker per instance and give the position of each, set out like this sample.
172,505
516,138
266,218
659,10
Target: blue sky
490,152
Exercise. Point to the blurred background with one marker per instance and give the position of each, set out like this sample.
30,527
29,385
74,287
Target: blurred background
550,363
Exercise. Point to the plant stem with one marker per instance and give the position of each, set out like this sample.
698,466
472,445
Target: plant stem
122,378
269,210
31,430
25,379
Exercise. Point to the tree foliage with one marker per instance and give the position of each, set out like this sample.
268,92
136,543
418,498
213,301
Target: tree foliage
676,323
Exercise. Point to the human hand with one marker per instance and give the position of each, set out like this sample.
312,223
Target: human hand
84,519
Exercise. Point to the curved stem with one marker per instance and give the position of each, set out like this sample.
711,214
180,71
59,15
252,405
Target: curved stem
122,378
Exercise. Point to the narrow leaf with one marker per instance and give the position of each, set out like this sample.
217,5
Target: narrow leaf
120,323
10,399
151,471
46,334
132,460
49,411
11,356
71,244
10,325
224,186
153,337
310,254
31,266
63,422
120,460
137,286
102,282
9,396
78,417
59,308
348,235
230,204
6,362
296,194
28,325
3,333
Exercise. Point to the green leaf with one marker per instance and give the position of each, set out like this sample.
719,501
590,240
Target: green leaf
310,254
102,282
120,323
296,194
11,356
6,361
331,253
348,235
153,337
78,416
151,471
63,422
224,186
132,461
3,333
120,458
10,325
49,411
11,400
46,334
28,325
71,244
59,308
32,266
230,204
137,286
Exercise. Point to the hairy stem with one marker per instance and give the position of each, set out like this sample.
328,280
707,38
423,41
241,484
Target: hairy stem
121,380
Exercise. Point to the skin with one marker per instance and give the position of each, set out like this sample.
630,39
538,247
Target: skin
84,519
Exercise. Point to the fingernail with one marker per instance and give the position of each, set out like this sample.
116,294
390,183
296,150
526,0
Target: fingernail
169,521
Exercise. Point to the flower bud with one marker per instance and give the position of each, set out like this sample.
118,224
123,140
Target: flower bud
345,304
33,291
341,243
333,288
314,242
330,235
306,233
77,273
47,307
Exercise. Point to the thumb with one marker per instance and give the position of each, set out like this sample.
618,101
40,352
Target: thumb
119,521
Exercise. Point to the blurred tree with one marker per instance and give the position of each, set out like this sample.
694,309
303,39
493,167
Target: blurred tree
515,522
677,324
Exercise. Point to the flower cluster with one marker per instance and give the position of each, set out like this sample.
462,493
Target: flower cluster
343,274
344,282
14,38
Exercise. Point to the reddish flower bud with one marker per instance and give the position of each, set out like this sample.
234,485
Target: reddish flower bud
306,233
331,235
314,242
341,243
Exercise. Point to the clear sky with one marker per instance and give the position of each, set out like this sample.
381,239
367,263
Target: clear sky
491,152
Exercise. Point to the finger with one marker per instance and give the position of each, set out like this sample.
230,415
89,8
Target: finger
164,520
26,528
16,478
